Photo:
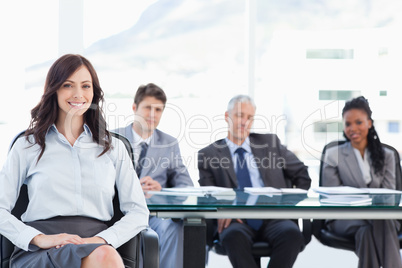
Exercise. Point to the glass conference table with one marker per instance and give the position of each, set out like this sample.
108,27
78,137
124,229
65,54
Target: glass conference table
196,206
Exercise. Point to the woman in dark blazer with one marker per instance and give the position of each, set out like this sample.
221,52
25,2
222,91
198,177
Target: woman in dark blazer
363,162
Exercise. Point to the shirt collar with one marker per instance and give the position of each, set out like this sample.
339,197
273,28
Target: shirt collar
87,130
357,152
138,139
52,128
233,147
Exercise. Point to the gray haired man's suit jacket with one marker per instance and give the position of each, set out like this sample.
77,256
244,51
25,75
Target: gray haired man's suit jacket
278,167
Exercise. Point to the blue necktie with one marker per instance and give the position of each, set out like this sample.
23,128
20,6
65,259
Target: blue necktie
141,159
243,180
242,173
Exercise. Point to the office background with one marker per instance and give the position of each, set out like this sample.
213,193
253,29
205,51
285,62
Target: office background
300,60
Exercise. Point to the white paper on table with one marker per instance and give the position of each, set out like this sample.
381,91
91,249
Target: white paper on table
339,190
382,191
201,189
353,200
272,190
214,191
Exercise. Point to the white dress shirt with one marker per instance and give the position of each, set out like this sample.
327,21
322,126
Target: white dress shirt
71,181
255,176
137,145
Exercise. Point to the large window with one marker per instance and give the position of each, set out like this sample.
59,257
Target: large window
309,57
393,127
329,54
338,94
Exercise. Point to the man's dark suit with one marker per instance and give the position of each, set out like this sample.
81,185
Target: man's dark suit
278,168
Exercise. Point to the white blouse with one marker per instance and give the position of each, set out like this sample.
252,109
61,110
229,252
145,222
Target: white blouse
364,164
71,181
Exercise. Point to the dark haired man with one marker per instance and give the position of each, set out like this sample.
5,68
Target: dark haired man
253,160
158,164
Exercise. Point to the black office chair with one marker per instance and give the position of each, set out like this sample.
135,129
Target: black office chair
320,230
145,243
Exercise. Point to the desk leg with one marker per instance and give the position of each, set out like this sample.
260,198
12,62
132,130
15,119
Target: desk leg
194,241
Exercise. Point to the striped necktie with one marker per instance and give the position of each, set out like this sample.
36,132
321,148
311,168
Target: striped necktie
141,159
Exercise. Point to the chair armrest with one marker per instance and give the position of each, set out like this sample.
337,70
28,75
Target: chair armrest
6,249
150,248
130,251
145,243
307,230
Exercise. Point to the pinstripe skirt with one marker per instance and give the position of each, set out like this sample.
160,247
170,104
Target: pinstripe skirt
67,256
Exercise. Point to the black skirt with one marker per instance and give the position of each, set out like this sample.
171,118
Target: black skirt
67,256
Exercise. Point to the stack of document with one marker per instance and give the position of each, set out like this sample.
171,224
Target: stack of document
215,191
352,200
272,190
346,195
339,190
353,190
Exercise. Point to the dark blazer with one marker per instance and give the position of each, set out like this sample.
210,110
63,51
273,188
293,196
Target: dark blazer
163,159
279,167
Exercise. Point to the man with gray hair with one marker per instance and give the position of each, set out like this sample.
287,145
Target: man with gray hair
245,159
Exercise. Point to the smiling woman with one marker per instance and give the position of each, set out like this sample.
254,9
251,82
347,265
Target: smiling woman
68,80
64,224
74,98
363,162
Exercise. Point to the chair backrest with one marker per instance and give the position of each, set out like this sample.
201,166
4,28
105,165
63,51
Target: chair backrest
326,147
126,143
398,172
22,202
116,205
7,247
